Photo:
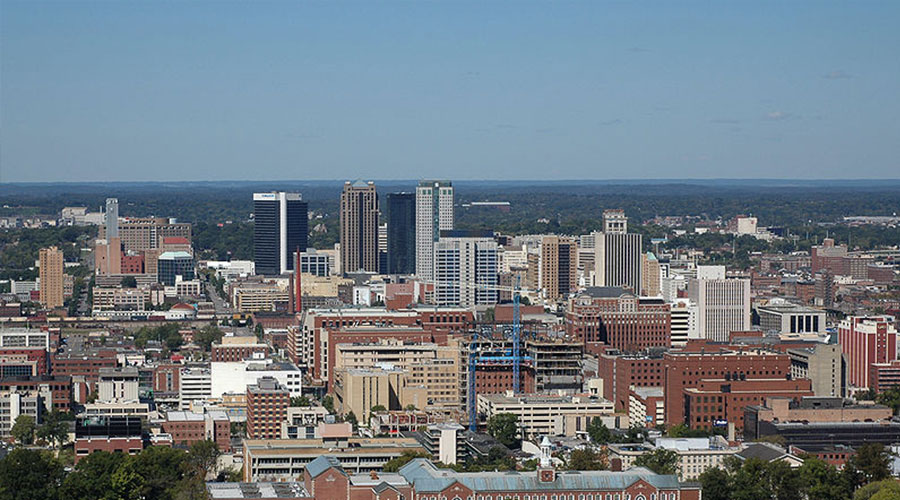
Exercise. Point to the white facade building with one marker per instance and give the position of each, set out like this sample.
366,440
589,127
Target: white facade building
684,322
235,376
723,304
195,384
465,269
617,253
434,213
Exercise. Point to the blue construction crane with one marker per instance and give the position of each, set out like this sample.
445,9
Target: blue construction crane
516,359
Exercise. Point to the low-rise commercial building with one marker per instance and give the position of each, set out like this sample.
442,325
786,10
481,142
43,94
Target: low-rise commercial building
541,415
785,317
285,459
819,421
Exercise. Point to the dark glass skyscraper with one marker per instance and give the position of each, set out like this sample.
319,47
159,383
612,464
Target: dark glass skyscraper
281,226
401,239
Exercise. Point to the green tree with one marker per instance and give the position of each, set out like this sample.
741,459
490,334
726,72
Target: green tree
30,475
203,457
871,463
208,335
125,483
598,431
660,461
635,434
162,469
328,403
587,459
821,480
890,398
749,480
92,477
128,282
23,429
378,408
887,489
351,418
504,427
716,484
54,430
396,463
410,407
300,401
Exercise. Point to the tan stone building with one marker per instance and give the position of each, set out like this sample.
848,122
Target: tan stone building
359,227
52,277
559,266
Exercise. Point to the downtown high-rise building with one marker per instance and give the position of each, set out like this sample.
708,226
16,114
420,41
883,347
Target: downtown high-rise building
401,233
434,213
112,217
617,253
52,277
466,269
280,228
558,266
723,304
359,227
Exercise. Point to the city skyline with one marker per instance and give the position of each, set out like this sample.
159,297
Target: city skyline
576,91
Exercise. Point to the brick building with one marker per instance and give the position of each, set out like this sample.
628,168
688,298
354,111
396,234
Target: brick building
60,388
719,402
87,365
866,340
120,434
305,343
604,317
16,361
188,428
690,370
326,477
267,404
884,376
237,349
619,373
167,377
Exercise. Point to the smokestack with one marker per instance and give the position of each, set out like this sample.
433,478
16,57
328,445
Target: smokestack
298,297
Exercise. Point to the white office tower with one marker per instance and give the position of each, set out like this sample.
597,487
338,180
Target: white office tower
434,213
723,305
684,322
112,218
617,253
465,269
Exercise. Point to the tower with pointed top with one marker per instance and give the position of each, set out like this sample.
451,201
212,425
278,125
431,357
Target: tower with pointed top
546,473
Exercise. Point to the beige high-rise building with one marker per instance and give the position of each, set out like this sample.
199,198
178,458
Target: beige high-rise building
52,277
359,227
617,253
650,275
559,265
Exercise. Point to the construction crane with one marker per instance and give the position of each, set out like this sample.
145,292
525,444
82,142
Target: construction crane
516,358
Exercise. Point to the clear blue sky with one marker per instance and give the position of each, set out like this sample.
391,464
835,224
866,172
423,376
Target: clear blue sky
125,90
